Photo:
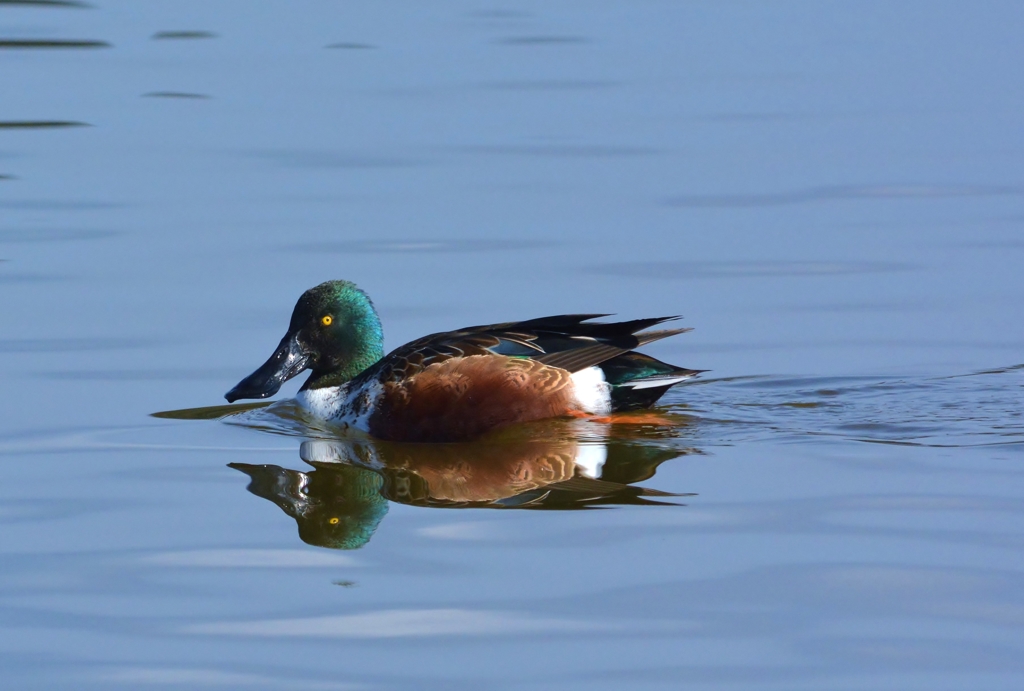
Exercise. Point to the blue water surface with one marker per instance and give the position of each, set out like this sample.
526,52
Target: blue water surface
831,193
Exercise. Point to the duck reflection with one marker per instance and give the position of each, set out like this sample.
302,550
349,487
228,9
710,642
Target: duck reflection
340,503
338,507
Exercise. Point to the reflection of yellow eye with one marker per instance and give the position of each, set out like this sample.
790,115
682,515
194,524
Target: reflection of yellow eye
327,320
333,521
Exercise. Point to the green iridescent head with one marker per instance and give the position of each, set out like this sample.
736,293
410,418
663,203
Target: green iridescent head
334,331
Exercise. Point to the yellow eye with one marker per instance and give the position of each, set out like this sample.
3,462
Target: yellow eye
327,320
333,521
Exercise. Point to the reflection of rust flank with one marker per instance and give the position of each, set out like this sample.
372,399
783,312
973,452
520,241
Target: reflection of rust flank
473,473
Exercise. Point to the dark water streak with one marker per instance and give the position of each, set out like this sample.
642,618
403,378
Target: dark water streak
182,35
39,124
60,44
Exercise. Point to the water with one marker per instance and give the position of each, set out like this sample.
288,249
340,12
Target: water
831,193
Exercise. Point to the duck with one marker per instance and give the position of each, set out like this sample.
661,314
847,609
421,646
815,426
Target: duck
459,385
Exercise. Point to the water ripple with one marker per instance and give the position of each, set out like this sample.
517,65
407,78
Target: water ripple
817,194
174,94
542,40
960,411
403,623
419,246
746,269
344,45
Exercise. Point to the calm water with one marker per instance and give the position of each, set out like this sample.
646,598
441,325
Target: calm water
832,193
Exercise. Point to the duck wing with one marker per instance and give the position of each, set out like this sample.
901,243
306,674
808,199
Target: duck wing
567,341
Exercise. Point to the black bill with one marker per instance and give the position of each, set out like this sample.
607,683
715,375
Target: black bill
288,360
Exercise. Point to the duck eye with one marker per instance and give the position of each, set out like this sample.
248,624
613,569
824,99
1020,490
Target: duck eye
333,521
327,320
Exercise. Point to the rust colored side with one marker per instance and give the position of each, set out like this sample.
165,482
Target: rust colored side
462,398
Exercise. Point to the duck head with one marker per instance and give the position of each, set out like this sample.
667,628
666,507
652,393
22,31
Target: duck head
334,331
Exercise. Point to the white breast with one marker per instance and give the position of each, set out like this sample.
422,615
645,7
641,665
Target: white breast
342,405
323,403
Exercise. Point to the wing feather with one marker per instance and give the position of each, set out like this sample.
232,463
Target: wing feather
581,358
568,341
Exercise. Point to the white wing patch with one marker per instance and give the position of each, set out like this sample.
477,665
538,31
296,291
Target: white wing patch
593,394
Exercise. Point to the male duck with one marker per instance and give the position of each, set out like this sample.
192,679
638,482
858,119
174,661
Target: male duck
460,384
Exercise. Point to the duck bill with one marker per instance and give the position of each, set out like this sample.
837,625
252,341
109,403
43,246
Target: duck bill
288,360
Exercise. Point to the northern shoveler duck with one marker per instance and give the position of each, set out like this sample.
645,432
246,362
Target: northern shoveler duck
460,384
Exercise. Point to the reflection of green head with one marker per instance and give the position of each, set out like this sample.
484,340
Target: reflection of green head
338,506
348,510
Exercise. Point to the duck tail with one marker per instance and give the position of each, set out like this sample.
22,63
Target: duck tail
639,380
